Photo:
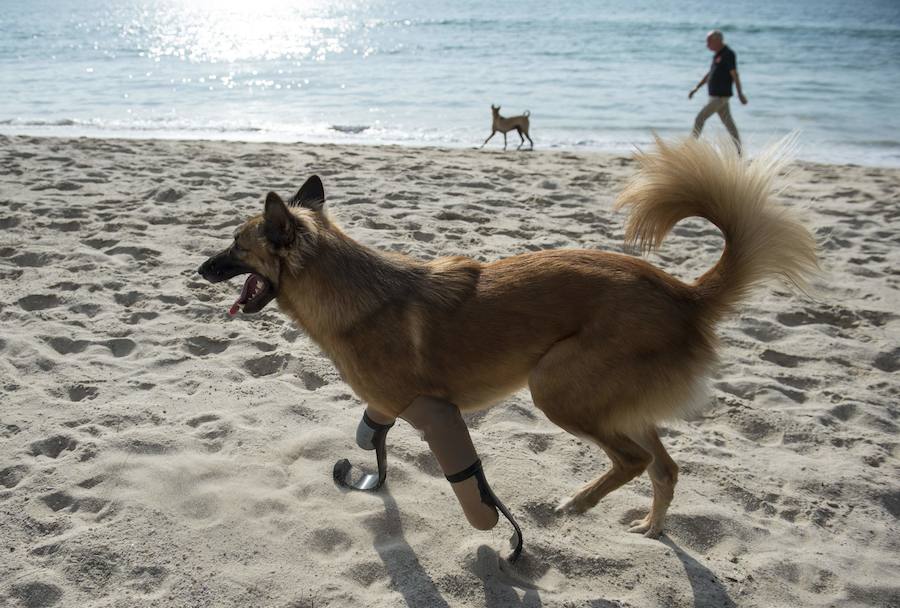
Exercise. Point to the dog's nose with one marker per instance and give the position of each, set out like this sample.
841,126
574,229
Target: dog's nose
204,268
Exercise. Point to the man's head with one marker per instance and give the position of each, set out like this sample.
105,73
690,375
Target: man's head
715,41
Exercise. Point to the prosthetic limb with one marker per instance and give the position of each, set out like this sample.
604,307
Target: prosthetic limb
443,428
370,435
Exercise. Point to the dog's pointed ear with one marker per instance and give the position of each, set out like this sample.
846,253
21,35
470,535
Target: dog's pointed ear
310,195
278,221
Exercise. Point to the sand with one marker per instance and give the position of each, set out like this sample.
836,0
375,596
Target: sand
155,452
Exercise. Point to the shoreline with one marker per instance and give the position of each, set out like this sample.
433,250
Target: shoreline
155,451
271,138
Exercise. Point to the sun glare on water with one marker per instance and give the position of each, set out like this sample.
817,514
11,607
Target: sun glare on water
240,30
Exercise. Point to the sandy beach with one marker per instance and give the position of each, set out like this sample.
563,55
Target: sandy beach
156,452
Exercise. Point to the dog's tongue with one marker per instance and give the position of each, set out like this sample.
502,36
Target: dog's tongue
249,284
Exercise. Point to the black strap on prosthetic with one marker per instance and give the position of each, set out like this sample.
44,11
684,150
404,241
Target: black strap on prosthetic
489,498
374,425
367,482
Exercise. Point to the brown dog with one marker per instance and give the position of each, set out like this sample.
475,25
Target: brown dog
608,344
501,124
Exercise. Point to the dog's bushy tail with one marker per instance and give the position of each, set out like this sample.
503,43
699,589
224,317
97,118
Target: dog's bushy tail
763,240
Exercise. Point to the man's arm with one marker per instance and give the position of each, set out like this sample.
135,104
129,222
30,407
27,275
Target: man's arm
699,84
737,83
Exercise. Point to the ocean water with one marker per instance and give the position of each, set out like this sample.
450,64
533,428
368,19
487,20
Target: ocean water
597,75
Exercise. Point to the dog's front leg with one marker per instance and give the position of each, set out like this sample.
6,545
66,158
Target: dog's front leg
445,431
371,434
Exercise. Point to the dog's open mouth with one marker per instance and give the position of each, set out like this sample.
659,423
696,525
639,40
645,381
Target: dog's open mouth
256,293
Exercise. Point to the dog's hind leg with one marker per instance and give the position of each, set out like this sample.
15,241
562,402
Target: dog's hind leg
628,461
563,387
521,139
530,143
664,475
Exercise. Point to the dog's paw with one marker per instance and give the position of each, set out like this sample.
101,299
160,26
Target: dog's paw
654,532
646,526
639,526
569,506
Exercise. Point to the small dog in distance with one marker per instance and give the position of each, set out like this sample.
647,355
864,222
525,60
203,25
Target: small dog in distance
503,125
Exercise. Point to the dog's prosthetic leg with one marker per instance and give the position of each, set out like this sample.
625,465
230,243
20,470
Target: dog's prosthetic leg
370,435
443,428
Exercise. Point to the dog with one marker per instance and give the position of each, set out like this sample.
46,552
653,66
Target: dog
609,345
501,124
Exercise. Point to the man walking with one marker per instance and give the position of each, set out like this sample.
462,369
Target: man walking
721,74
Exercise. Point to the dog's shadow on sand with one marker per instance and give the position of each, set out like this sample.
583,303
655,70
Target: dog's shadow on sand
411,580
501,580
708,590
403,567
504,584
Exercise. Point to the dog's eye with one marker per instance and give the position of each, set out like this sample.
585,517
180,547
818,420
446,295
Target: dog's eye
236,247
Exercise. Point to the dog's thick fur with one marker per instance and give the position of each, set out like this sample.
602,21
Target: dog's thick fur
503,124
608,344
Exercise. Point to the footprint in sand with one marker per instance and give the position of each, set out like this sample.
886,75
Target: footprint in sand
91,482
52,447
91,569
88,310
329,541
141,254
59,500
835,316
312,381
762,330
36,302
200,346
138,317
80,392
147,579
888,361
425,237
61,186
202,419
201,508
781,359
127,299
752,426
266,365
66,346
12,475
119,347
165,195
37,594
100,243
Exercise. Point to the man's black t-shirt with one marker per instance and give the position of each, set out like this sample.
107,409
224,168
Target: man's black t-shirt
720,73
